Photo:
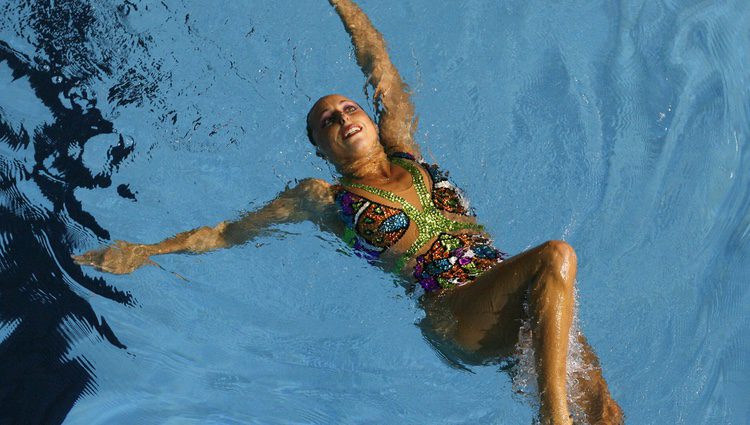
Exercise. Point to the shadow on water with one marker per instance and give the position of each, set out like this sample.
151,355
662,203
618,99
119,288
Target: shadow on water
41,288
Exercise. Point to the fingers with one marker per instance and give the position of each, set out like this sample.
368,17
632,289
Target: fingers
121,267
114,268
88,259
118,258
83,259
103,268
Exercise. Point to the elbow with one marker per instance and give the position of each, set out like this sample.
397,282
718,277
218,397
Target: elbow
220,235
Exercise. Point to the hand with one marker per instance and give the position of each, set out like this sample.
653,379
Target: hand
119,258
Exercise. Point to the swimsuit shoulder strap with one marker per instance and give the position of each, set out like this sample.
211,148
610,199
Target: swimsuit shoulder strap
419,184
430,222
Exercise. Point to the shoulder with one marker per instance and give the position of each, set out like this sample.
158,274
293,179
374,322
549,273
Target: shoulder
313,191
309,190
313,185
433,169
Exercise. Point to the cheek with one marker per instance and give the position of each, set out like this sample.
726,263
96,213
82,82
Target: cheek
371,123
329,135
325,140
367,121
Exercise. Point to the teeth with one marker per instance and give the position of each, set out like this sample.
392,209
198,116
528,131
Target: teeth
352,131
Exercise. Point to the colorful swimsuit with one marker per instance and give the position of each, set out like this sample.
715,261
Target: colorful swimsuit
452,260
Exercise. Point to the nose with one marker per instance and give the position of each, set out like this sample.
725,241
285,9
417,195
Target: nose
342,117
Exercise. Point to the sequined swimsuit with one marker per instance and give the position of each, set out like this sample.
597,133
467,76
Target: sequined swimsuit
372,228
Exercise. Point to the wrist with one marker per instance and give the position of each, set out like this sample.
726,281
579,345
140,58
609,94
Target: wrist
149,250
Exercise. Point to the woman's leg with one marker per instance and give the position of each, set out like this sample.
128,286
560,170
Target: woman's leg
591,393
489,313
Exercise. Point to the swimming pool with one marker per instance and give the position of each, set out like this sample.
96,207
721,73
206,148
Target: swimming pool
621,128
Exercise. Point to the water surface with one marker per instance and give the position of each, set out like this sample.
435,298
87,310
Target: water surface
619,127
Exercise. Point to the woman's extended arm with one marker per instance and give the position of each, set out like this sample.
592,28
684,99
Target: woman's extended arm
309,200
397,122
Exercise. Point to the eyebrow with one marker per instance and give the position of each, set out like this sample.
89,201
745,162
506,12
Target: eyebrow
328,109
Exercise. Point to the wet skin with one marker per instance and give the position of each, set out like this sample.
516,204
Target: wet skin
487,312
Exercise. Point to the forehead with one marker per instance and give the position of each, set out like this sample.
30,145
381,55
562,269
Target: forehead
327,102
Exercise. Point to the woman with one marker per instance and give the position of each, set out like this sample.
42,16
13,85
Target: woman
404,215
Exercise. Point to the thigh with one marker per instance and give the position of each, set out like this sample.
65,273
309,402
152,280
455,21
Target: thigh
489,311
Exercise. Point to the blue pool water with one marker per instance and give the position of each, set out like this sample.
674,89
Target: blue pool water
621,127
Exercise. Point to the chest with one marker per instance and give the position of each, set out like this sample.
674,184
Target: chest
409,208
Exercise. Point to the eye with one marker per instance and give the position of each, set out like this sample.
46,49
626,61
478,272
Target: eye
326,122
350,108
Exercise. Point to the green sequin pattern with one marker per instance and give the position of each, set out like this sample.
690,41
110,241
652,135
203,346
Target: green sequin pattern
430,221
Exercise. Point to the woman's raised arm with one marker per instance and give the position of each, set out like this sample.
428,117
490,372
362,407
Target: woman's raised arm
397,121
309,200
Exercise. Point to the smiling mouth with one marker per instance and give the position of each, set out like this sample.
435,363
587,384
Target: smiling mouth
352,130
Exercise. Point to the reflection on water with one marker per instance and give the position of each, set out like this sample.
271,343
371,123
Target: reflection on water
48,117
42,288
622,128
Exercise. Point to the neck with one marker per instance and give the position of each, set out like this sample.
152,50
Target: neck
374,166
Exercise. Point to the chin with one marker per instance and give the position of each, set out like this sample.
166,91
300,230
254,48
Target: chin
365,144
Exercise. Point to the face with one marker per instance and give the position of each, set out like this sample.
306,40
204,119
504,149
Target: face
342,130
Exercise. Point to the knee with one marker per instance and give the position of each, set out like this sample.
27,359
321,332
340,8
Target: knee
561,258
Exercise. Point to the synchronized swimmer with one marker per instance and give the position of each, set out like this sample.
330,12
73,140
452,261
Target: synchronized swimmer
405,215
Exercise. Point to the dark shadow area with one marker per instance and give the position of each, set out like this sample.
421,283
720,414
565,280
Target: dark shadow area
40,285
